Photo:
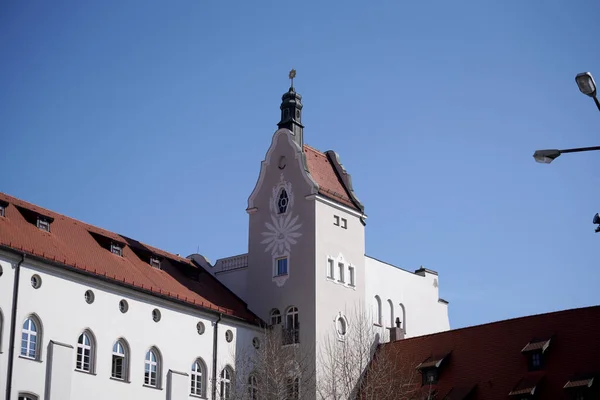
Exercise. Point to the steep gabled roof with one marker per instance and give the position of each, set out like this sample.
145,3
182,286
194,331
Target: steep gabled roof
331,185
489,357
86,248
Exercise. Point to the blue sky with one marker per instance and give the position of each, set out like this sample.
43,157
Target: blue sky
150,118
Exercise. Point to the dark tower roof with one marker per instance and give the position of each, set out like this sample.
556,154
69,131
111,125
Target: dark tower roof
291,112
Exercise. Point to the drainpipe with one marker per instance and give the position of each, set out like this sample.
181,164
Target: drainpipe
13,327
214,366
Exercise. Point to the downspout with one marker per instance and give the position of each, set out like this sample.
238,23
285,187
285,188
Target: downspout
214,360
13,327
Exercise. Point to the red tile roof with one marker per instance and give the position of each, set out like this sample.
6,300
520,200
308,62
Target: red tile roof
324,174
74,244
489,356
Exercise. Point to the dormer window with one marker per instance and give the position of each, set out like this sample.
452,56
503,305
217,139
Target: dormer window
535,351
3,206
430,376
282,202
430,369
535,361
117,249
43,224
155,262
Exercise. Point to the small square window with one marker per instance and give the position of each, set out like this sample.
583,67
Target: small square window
341,271
336,220
282,266
351,276
430,377
116,249
155,262
344,223
330,269
535,361
43,224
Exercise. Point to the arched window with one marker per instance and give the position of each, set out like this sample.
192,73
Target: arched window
292,326
120,360
293,388
282,202
30,338
27,396
378,310
198,375
275,317
252,387
403,320
392,324
226,378
85,352
152,371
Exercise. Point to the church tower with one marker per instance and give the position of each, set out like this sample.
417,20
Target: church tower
291,112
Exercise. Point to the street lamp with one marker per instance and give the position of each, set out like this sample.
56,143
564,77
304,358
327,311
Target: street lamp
547,156
587,86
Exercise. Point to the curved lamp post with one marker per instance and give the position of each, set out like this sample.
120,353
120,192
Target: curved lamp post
587,86
547,156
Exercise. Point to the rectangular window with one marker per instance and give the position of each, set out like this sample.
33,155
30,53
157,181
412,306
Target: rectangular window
336,220
43,224
116,249
282,266
1,210
330,269
430,377
341,272
344,223
155,262
351,276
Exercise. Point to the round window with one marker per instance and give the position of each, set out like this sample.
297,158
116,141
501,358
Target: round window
228,336
89,296
156,315
36,281
341,326
123,306
200,327
256,343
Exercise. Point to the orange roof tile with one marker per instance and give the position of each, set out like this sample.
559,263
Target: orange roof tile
489,356
71,243
324,174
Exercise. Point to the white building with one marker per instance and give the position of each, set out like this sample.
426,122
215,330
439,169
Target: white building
89,314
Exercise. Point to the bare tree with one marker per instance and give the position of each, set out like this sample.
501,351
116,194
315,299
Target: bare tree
267,369
352,367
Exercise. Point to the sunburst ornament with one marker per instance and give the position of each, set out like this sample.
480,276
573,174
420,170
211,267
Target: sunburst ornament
281,234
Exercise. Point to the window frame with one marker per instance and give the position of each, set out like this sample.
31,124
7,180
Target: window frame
341,270
285,207
330,268
124,363
27,396
37,348
378,311
116,249
148,364
336,220
287,266
351,275
293,388
275,313
198,378
292,326
253,387
80,352
43,224
226,383
344,223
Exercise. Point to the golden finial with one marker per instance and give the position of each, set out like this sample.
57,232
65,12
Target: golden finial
292,76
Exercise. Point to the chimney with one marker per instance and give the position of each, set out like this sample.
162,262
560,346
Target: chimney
396,333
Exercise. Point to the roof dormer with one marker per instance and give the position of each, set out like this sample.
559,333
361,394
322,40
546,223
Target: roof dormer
111,244
535,351
41,221
3,205
430,368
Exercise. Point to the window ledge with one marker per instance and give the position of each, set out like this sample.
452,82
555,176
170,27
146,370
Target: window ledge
119,380
376,324
30,359
197,396
84,372
291,344
152,387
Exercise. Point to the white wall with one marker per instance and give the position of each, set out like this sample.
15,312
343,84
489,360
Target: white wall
64,314
418,294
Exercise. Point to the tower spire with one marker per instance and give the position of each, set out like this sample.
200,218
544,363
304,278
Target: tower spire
291,111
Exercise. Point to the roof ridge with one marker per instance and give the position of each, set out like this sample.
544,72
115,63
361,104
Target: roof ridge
85,224
313,148
503,321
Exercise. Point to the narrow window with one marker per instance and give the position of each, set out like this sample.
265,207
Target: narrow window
43,224
252,387
344,223
391,313
351,275
341,272
85,351
293,388
155,262
330,269
282,202
198,378
282,266
29,339
151,368
2,212
119,360
291,332
535,361
226,377
275,317
1,328
336,220
116,249
378,310
341,326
